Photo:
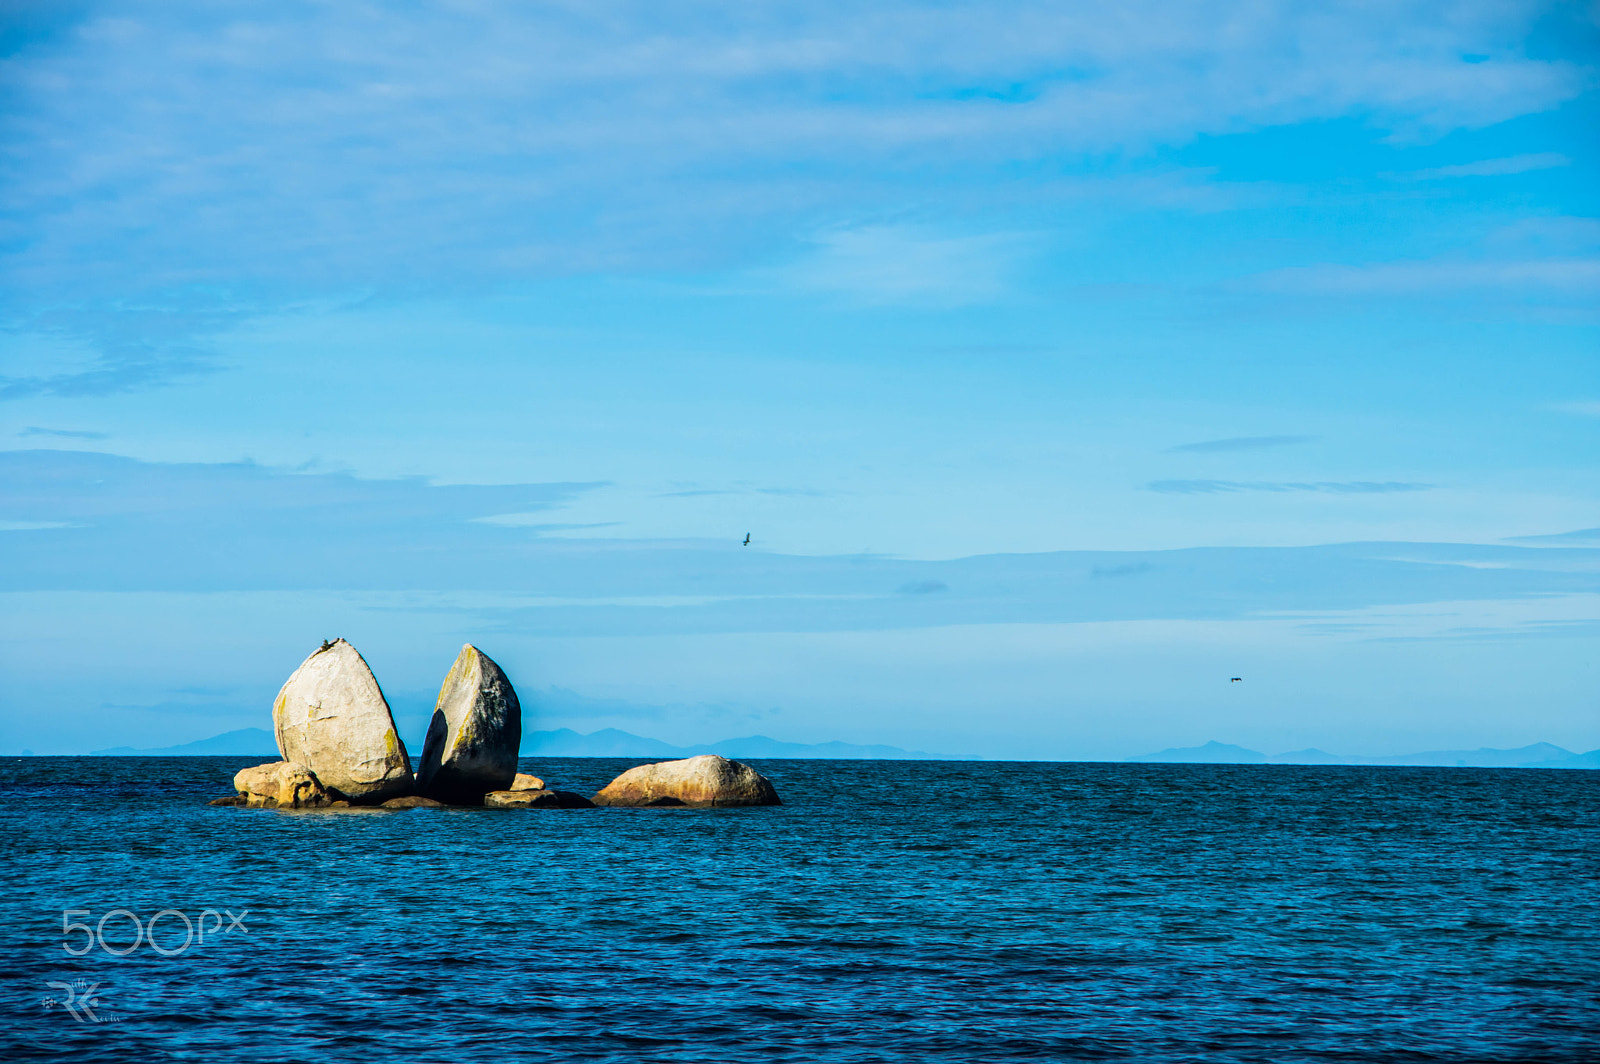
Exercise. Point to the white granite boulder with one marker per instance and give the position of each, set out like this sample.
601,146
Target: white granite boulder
331,717
707,780
471,748
281,785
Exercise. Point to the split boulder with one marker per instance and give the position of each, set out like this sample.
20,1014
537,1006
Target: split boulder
331,717
471,748
707,780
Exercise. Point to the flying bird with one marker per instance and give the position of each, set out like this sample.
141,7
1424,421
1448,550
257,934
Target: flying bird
1236,679
747,539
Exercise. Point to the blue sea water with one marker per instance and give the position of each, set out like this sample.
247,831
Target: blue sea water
889,911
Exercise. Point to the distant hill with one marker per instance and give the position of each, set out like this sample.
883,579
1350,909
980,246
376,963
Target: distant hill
1212,753
563,742
610,742
244,741
1539,755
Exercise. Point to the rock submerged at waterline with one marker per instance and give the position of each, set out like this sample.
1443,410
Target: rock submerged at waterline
707,780
471,748
413,801
331,717
279,785
536,799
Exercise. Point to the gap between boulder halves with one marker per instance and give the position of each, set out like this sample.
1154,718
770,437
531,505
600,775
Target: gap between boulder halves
340,750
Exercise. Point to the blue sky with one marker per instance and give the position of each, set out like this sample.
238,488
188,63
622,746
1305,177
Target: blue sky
1061,360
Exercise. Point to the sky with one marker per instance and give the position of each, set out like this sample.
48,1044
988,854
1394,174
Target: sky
1061,361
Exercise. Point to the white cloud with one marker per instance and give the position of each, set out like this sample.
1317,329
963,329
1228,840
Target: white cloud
345,144
891,264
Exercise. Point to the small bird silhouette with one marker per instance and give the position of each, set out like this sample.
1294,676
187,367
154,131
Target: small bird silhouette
1236,679
747,539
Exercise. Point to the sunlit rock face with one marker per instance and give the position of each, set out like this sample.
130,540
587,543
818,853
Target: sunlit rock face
471,748
280,785
331,717
707,780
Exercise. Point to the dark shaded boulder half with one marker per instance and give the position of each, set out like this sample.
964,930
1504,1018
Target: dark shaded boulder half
471,748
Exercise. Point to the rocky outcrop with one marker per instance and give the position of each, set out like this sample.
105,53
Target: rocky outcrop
539,799
280,785
707,780
525,782
472,741
413,801
331,717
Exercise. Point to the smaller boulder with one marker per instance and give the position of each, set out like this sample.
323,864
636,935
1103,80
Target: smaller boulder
707,780
525,782
281,785
540,799
413,801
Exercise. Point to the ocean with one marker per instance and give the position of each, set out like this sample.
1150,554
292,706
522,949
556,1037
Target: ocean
888,911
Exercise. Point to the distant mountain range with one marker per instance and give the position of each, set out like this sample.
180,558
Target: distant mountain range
1539,755
243,741
563,742
609,742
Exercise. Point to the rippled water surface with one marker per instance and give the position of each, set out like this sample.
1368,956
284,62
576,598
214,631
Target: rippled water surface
890,911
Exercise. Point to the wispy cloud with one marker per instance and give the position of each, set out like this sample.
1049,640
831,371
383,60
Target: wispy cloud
145,526
165,144
1580,275
69,434
812,493
1337,487
896,264
1242,443
1576,537
1583,408
116,372
1514,164
538,522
